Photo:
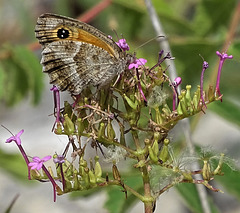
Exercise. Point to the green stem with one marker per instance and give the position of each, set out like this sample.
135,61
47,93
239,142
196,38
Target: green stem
148,198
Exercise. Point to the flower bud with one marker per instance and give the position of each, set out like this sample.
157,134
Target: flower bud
167,109
92,178
85,177
58,129
183,106
110,131
206,170
80,126
188,95
211,95
195,102
132,104
97,168
68,125
152,155
164,154
179,110
155,147
76,183
101,130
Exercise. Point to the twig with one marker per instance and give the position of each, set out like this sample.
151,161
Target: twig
173,74
162,42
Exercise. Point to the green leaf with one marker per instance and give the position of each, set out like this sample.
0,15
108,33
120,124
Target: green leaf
14,164
2,80
189,192
30,64
23,73
209,16
228,110
230,181
16,86
190,195
117,202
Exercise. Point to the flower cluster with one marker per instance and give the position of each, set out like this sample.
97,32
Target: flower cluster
97,117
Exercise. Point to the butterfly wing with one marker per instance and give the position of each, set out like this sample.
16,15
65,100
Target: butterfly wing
76,55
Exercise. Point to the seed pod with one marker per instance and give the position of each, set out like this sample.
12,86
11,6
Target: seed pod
116,174
206,170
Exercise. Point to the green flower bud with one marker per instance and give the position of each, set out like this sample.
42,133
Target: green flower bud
195,102
188,95
80,126
58,129
82,162
110,131
164,154
198,93
68,125
85,177
179,110
97,168
76,183
155,147
211,95
132,104
183,94
101,130
92,178
152,155
183,106
168,110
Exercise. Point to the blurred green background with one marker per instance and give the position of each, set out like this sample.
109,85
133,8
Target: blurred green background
192,27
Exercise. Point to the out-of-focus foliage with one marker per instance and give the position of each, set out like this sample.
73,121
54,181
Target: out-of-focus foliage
192,28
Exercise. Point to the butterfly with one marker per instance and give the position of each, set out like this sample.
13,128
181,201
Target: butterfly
76,55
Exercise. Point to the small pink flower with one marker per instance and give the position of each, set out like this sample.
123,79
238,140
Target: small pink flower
38,162
15,138
177,82
223,57
123,44
59,159
138,62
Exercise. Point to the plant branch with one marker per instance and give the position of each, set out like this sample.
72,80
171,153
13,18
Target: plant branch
173,74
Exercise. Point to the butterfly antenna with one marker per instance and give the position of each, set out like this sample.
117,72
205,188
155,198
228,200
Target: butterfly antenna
159,36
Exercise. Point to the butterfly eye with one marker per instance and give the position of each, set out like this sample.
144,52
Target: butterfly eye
62,33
